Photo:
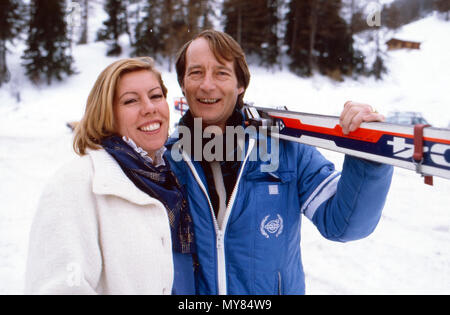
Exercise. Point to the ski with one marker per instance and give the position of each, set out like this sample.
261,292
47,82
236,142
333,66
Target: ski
419,148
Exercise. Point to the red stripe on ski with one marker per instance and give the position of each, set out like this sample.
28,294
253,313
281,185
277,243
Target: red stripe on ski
367,135
362,134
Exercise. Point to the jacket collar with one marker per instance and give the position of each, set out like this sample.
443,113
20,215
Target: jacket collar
109,179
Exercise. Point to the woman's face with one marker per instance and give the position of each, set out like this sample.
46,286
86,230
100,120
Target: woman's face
141,110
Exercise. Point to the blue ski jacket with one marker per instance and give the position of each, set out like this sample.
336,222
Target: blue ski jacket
256,249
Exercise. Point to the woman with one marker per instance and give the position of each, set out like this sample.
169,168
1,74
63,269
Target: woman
115,221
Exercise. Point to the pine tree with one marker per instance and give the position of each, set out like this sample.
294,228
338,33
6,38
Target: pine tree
84,4
300,36
174,28
443,6
269,48
148,41
10,27
391,16
320,39
48,53
206,13
165,25
352,12
334,43
254,24
200,14
194,8
378,67
114,26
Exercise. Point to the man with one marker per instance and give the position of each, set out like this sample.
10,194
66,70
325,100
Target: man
246,221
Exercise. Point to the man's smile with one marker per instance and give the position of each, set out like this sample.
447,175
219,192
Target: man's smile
208,101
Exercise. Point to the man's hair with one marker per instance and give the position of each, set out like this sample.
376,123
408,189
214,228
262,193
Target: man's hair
98,121
224,47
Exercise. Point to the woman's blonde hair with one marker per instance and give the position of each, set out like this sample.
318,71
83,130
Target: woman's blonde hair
98,121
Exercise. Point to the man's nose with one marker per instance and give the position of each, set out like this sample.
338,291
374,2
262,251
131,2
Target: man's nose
208,82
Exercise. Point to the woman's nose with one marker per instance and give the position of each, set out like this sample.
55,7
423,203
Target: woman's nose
148,107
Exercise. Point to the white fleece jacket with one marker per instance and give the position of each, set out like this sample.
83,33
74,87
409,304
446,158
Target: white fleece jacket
95,232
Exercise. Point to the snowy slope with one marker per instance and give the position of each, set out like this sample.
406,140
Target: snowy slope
408,253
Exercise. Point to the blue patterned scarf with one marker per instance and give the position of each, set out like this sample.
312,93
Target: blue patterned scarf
159,183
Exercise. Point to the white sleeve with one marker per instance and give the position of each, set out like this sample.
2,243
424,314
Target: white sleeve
64,255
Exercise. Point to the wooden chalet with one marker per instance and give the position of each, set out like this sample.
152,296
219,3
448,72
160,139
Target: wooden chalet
395,43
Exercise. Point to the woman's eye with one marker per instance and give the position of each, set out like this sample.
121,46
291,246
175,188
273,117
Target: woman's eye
156,96
130,101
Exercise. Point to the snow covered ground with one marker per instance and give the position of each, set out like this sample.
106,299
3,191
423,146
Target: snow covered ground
409,253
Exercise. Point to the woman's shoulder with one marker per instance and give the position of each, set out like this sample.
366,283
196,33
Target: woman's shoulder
66,190
74,173
77,167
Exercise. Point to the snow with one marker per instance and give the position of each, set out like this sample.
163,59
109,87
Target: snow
408,253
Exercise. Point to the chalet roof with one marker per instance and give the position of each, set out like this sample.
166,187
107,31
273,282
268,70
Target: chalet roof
396,40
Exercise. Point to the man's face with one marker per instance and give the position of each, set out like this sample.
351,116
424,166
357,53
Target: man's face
210,87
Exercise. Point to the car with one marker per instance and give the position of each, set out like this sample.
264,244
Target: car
406,118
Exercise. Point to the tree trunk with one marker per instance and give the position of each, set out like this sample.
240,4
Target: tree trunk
84,23
295,29
4,72
312,35
239,25
352,31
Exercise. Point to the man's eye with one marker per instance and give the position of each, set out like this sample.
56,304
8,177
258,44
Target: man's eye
223,74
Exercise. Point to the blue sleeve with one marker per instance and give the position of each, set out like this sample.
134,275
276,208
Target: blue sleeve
344,206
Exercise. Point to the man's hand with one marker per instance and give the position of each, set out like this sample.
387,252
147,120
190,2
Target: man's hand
356,113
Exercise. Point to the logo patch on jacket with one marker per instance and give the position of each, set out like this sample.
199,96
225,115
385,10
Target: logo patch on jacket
273,189
272,227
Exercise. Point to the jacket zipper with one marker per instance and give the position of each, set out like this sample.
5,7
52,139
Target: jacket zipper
220,233
279,283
